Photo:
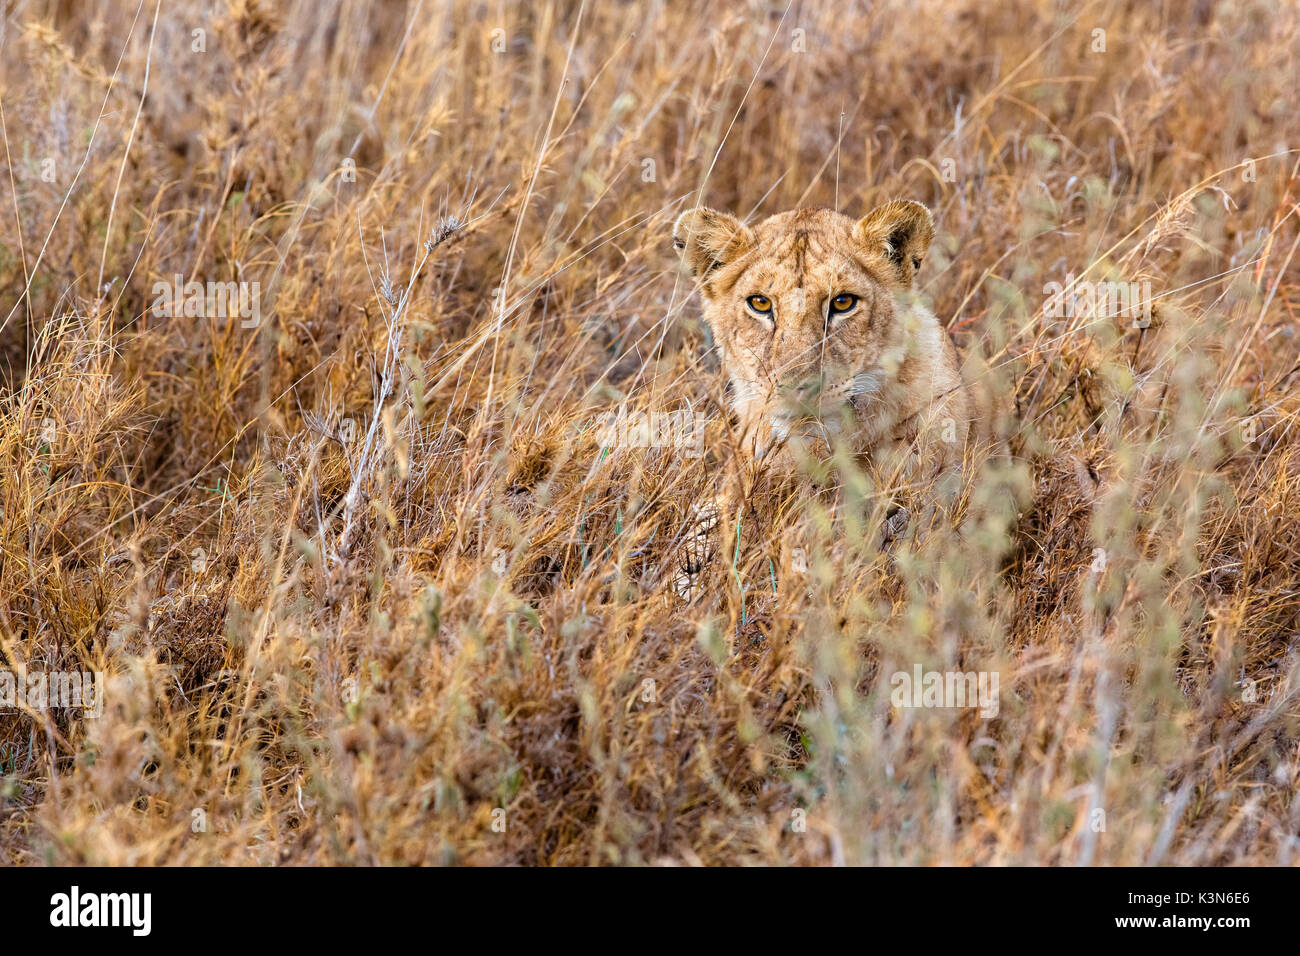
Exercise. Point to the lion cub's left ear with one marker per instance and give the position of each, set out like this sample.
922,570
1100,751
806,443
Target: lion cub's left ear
707,239
901,231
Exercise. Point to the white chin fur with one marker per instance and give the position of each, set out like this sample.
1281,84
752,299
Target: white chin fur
865,383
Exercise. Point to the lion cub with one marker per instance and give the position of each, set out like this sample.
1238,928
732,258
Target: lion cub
823,340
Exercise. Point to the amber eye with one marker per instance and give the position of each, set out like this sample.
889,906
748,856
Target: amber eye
842,303
760,304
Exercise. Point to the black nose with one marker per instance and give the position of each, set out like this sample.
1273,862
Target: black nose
803,391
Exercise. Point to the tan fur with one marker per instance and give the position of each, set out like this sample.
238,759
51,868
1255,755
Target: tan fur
882,374
880,378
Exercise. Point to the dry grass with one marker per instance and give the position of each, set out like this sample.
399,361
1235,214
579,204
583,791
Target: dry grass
361,576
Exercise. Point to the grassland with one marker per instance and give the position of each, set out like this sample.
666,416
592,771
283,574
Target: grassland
366,588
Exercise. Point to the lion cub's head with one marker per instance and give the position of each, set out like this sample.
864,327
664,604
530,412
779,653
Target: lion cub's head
804,306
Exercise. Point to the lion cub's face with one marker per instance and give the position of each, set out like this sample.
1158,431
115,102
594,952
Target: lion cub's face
802,306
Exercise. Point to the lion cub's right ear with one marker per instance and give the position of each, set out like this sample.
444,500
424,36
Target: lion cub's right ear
900,231
707,239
